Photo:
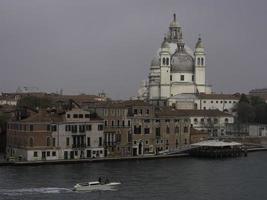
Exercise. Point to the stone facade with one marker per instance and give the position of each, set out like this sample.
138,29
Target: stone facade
53,136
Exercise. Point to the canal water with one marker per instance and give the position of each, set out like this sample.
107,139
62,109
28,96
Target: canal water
174,178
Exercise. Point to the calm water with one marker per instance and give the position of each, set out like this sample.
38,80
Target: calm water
176,178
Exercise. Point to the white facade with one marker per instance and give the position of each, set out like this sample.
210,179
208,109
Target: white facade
76,136
176,69
222,102
214,125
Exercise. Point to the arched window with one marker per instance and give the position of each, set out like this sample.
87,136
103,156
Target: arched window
202,61
48,141
167,61
198,61
31,142
163,61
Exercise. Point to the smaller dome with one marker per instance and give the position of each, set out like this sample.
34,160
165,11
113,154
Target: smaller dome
199,43
174,24
155,61
165,45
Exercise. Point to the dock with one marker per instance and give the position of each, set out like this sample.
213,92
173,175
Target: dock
217,149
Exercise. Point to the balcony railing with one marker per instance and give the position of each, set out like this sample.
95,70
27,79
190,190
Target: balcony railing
78,145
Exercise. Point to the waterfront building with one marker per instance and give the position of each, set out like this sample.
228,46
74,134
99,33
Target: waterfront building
211,121
49,135
154,131
117,127
135,128
222,102
176,69
262,93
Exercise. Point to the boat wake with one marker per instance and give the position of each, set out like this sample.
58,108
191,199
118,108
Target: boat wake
31,191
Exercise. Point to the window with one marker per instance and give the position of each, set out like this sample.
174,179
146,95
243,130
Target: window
193,78
54,153
158,132
81,128
211,101
146,130
129,123
137,129
48,141
182,77
163,61
48,153
67,127
100,141
75,116
54,142
147,111
118,122
100,127
167,61
135,111
31,127
106,123
123,123
112,123
67,141
88,127
31,142
80,115
54,127
195,121
215,120
74,128
88,141
202,61
170,77
35,154
176,129
167,129
198,61
226,120
68,115
141,111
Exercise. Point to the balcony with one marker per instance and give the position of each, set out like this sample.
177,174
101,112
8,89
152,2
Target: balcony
79,146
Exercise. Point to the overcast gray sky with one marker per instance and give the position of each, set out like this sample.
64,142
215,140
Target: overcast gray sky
89,46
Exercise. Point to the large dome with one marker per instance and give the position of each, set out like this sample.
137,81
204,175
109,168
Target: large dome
182,62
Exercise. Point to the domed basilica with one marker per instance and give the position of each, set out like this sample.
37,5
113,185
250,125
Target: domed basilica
176,69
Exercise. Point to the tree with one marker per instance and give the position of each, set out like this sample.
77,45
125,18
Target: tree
35,102
243,99
245,112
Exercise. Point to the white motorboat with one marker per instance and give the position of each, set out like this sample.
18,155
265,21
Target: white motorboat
95,185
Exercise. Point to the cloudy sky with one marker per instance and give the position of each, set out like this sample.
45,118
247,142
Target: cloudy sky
87,46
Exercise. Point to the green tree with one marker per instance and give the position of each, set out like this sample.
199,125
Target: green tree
35,102
245,112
